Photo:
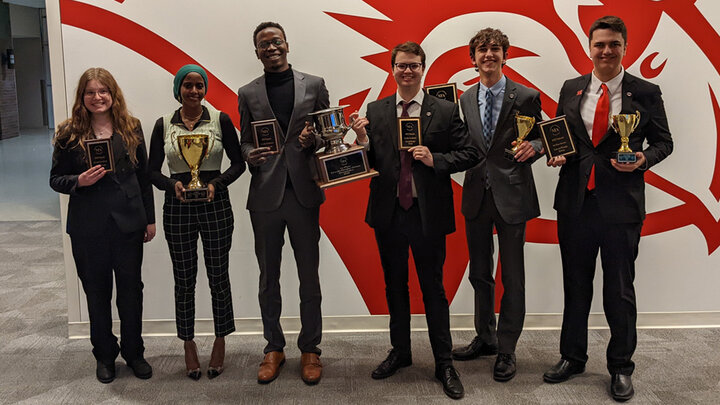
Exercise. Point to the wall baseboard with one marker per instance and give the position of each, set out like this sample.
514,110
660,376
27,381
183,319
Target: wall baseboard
379,323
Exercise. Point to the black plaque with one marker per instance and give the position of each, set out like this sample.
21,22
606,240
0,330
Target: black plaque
444,91
196,194
556,137
409,133
344,165
265,134
100,152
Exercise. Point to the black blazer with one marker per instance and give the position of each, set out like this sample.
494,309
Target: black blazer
621,196
267,185
444,134
512,182
124,195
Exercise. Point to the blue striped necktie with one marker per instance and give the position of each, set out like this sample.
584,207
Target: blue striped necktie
487,117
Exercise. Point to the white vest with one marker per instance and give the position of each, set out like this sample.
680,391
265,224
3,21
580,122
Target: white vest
212,161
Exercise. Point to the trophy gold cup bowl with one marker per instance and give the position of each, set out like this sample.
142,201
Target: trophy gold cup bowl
523,126
624,125
338,163
193,149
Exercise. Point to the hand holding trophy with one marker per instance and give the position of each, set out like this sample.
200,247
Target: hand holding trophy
624,125
523,126
193,149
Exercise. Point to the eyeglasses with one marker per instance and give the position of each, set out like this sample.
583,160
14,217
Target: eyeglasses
413,66
101,93
266,44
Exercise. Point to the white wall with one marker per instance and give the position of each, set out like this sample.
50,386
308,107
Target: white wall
677,269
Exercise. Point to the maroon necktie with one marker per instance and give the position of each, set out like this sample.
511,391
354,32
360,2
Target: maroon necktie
405,183
600,126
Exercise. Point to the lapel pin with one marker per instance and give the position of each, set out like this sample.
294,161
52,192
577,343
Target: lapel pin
629,94
429,113
579,93
512,95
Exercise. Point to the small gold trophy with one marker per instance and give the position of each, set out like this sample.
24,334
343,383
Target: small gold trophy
193,149
523,126
625,124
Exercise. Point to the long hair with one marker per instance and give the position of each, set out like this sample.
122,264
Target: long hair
77,129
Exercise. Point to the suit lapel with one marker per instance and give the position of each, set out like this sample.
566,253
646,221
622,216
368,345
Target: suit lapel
299,83
573,110
508,101
391,117
472,116
262,102
427,111
627,88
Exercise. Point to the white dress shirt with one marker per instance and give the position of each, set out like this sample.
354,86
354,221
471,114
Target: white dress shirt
592,95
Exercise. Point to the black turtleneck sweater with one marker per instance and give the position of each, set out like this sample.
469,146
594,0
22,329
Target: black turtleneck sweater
281,94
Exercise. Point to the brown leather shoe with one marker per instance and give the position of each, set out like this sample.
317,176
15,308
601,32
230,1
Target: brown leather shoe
311,368
270,367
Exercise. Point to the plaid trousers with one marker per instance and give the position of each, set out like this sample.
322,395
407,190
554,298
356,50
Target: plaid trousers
214,222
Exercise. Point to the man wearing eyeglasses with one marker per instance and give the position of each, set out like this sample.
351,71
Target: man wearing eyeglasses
411,206
284,195
498,193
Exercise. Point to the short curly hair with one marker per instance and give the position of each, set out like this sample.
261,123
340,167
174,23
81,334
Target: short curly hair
487,36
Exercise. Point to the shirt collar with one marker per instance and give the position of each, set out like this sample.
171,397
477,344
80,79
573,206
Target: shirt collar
419,97
496,88
176,119
614,85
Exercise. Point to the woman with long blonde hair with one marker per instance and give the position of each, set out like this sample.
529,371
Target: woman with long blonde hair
110,215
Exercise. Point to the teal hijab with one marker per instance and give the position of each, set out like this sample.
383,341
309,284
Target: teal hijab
180,76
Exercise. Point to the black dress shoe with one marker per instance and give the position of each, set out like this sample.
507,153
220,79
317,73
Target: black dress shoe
141,368
621,387
394,361
562,371
504,369
475,349
450,380
105,373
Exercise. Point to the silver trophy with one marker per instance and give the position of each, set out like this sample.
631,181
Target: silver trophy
338,163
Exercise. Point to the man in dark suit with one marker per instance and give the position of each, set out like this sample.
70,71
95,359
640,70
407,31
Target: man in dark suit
499,192
411,206
600,202
283,195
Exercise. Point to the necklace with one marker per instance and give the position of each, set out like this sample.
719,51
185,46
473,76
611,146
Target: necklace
102,131
189,121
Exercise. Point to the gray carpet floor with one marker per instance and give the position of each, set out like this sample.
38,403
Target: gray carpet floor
40,365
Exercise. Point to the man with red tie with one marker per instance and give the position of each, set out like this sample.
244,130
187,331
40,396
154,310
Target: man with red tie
411,206
600,202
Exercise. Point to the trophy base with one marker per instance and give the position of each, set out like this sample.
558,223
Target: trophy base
625,157
334,169
196,194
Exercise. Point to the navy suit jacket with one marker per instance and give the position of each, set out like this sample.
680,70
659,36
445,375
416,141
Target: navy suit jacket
443,132
621,196
125,194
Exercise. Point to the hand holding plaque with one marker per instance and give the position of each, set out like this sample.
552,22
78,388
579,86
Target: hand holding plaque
624,125
265,134
409,133
556,137
193,149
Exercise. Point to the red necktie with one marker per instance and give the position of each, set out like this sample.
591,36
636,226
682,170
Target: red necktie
600,126
405,182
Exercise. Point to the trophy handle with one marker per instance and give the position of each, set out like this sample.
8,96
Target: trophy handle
637,121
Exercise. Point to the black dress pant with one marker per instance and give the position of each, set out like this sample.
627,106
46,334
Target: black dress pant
511,240
97,258
580,239
303,226
404,233
213,222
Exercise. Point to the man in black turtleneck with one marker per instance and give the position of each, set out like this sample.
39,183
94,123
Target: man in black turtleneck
283,195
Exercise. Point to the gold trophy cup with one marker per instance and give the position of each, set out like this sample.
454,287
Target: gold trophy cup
523,125
193,149
624,125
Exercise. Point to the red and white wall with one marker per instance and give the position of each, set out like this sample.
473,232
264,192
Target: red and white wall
674,43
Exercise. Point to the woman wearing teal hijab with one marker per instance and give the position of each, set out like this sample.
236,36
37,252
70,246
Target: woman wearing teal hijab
207,214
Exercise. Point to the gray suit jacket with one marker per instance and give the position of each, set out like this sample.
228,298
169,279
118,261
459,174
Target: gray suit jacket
267,185
512,182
